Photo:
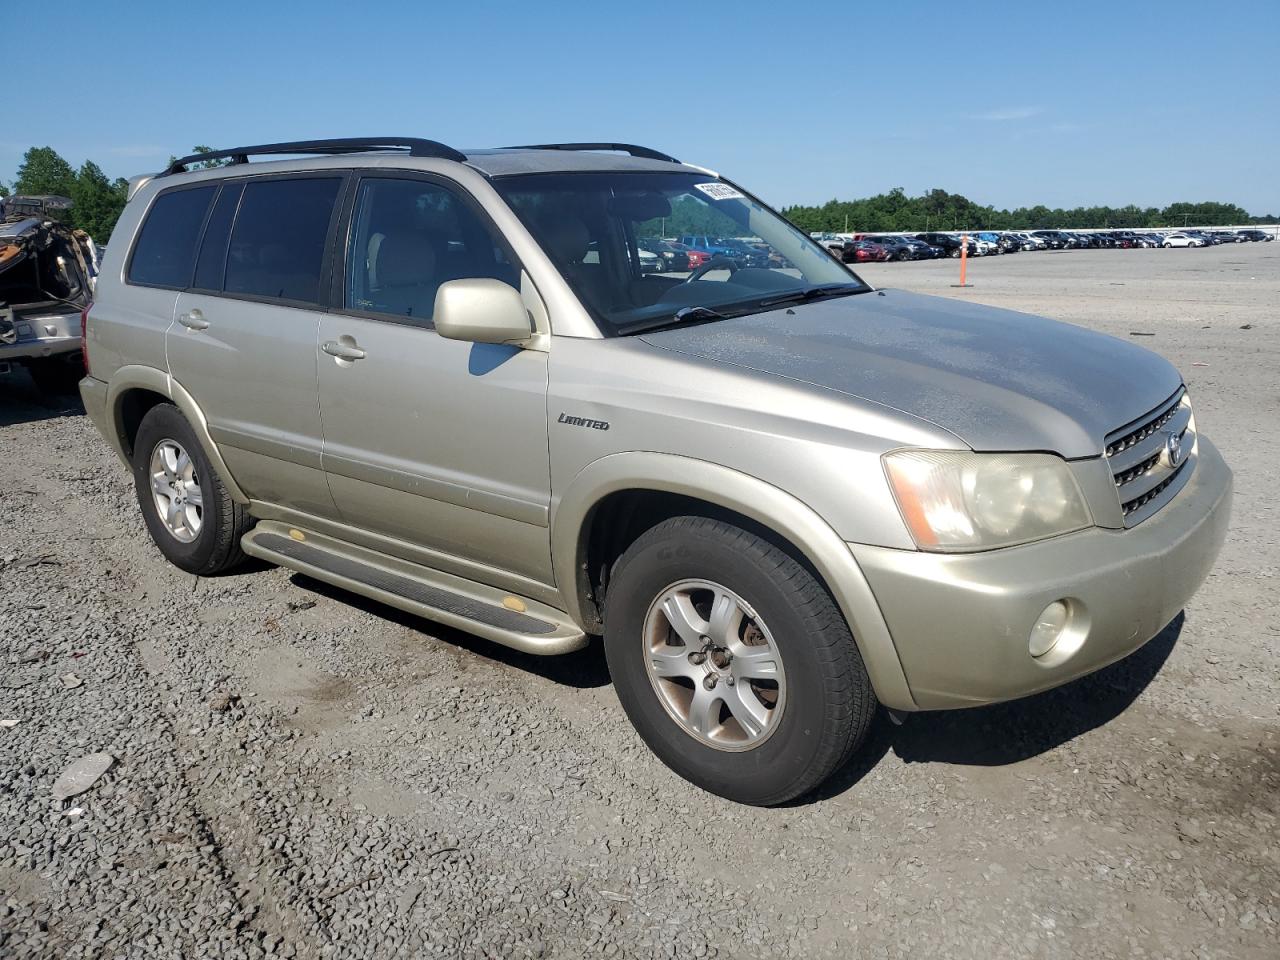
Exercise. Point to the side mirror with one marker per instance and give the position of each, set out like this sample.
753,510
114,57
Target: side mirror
481,311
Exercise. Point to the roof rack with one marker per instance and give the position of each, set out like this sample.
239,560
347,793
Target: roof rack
630,148
416,146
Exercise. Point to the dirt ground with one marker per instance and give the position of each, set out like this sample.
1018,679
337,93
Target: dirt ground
302,773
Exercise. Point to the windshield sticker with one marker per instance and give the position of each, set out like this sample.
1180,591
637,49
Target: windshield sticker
719,191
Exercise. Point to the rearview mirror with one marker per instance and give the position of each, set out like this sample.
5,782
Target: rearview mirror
481,311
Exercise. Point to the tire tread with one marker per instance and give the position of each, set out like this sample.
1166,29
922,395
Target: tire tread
850,700
228,519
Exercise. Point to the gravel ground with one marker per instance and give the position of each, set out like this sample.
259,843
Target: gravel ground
299,773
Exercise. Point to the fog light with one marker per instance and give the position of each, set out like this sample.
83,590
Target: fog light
1050,626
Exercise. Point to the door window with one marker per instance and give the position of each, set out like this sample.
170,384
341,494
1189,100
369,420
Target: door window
278,241
408,237
212,262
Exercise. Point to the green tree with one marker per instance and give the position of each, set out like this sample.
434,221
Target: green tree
203,164
42,171
895,212
98,201
1207,213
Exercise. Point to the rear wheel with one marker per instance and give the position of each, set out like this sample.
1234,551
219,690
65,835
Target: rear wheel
187,510
733,662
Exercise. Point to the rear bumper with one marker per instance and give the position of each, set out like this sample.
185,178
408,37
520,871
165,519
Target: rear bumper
42,336
961,623
93,394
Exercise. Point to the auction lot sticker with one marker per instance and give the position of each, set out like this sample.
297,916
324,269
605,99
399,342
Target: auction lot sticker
719,191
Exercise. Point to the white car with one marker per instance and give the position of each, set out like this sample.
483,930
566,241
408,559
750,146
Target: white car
650,262
1182,240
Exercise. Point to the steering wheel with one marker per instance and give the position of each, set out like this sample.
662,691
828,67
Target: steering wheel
715,263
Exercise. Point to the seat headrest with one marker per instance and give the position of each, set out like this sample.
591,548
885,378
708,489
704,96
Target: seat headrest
567,236
405,259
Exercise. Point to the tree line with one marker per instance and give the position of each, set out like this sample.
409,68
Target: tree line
895,212
98,202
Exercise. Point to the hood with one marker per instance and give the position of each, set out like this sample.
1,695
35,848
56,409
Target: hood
997,379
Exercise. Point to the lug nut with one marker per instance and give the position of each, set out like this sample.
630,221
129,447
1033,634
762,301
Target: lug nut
709,681
698,657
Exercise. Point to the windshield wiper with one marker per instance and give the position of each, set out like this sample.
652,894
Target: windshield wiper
815,293
684,317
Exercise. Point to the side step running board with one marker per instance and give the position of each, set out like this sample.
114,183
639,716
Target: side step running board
518,622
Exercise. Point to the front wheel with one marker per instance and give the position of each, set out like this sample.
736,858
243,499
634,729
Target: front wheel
187,509
733,662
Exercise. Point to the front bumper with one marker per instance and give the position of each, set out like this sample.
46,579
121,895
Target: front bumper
960,623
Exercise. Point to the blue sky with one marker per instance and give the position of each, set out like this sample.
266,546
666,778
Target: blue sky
1009,104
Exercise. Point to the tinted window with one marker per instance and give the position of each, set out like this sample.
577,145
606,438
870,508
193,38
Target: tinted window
212,262
277,244
166,249
407,238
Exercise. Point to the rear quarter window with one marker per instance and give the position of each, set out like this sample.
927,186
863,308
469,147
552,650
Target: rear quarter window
165,252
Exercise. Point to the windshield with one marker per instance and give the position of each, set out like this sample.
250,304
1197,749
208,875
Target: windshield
732,254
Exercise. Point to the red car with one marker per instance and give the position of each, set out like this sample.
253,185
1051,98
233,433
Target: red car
696,257
864,251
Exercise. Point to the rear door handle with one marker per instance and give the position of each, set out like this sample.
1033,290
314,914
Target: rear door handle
343,351
193,319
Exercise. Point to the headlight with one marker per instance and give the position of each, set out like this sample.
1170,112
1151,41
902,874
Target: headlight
955,501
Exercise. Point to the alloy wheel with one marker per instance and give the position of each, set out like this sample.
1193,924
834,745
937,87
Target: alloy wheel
175,487
714,665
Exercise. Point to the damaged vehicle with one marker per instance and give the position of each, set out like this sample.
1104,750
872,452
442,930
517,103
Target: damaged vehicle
47,274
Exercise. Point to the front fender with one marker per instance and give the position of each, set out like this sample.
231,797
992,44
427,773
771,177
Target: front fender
137,377
768,505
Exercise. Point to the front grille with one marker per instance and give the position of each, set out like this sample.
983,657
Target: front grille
1137,436
1137,503
1146,476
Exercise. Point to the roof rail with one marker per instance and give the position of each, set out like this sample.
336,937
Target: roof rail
416,146
630,148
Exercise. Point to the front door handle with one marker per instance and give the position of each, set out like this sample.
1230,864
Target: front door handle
193,319
343,351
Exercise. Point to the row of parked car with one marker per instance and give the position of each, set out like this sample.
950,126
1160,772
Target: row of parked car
864,247
668,254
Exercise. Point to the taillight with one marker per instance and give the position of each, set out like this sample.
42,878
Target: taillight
84,337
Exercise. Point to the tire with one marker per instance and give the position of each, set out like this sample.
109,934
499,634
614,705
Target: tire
823,702
57,375
214,528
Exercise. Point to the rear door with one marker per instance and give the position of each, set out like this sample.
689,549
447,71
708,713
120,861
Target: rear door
244,344
436,443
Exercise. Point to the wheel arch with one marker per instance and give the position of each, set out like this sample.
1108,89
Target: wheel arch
644,480
133,391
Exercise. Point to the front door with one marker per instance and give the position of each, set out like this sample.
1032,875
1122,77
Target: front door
435,443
